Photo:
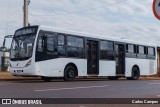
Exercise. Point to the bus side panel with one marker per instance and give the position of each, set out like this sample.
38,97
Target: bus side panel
107,68
55,67
146,66
153,67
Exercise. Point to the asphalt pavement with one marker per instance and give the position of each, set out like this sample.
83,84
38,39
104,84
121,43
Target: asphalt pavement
80,89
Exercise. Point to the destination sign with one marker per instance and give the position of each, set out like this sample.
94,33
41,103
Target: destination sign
24,31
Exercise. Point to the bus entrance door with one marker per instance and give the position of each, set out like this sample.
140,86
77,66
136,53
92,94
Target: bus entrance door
92,57
120,59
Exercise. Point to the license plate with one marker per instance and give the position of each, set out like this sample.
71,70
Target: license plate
19,71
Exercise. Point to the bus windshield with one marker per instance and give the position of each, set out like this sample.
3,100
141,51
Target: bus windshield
22,47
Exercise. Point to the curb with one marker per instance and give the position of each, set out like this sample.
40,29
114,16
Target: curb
6,76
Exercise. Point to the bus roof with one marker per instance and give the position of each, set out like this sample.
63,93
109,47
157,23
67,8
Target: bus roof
95,36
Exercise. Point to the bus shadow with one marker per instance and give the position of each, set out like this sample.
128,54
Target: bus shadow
62,81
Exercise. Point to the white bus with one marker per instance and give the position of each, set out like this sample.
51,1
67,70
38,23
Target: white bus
51,52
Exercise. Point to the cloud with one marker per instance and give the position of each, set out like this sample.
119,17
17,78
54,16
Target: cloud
130,19
11,17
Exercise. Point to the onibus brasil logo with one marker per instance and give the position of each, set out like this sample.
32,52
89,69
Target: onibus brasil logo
156,8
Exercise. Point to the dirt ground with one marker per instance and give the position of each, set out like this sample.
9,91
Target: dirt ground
6,75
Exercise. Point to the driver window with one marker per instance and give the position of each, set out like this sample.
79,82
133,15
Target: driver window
46,46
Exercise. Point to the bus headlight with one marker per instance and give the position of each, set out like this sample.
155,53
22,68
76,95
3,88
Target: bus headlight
29,63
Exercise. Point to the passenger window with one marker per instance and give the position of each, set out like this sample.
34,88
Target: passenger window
75,42
50,43
75,47
46,43
61,45
107,50
130,48
40,44
60,39
151,51
141,50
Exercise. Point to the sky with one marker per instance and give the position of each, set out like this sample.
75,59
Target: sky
128,19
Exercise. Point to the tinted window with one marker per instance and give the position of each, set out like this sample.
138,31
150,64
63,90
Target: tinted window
151,51
130,48
46,46
107,50
75,52
50,43
60,39
141,50
75,46
40,45
75,41
46,43
105,45
61,45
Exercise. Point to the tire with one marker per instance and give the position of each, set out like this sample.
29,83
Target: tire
69,73
46,79
135,74
113,78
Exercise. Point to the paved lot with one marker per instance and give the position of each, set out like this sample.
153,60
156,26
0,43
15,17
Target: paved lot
80,89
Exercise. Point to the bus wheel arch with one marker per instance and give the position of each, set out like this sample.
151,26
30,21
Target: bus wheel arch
135,73
70,72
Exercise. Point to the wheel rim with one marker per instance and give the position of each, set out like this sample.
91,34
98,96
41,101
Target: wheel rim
71,73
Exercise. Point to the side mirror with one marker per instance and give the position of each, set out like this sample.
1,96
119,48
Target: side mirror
3,49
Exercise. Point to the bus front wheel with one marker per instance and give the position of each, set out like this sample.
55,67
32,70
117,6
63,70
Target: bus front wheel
135,74
69,73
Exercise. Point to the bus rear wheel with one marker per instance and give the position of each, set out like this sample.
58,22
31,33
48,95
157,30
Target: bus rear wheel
46,79
135,74
69,73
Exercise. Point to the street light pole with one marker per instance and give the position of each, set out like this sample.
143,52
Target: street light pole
25,12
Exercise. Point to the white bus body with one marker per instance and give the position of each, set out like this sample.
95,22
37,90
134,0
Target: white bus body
50,52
